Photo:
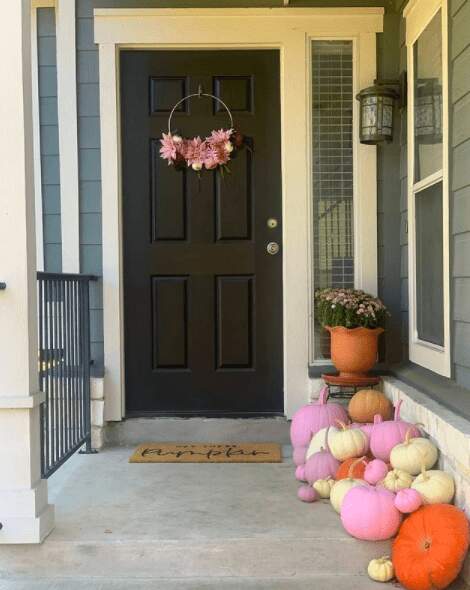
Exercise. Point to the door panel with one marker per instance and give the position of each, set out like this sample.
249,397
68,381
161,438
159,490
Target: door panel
202,298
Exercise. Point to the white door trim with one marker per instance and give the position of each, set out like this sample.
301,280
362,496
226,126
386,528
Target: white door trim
289,30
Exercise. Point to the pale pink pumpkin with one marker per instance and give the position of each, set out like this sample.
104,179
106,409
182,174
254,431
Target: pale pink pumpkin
300,473
389,433
408,500
298,455
375,471
369,513
313,417
320,466
307,494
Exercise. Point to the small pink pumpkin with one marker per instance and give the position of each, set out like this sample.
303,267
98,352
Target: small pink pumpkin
300,473
408,500
389,433
307,494
313,417
370,514
298,455
320,466
375,471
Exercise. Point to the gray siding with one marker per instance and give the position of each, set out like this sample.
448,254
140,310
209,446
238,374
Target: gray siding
89,153
388,199
402,141
49,136
459,78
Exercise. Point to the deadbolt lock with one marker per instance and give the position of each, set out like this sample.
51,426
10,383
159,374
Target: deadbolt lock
272,248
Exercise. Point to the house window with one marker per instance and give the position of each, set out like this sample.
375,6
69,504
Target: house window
333,213
428,186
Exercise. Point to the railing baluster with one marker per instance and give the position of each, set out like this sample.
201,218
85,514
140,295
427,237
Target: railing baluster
64,366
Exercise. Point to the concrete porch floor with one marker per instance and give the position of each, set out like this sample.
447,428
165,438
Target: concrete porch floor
186,527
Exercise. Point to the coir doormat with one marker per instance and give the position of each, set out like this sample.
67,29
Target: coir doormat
207,453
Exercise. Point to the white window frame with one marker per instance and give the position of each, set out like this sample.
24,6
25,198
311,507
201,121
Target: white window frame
364,182
418,15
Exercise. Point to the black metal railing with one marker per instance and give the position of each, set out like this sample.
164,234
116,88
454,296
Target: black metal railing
64,366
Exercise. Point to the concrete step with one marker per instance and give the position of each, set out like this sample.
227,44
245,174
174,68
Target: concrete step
318,582
279,558
137,430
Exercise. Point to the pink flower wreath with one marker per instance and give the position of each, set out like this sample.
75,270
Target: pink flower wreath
213,152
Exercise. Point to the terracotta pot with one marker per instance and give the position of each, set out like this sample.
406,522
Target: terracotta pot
354,351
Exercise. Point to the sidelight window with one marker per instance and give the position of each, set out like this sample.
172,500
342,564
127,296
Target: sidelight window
332,182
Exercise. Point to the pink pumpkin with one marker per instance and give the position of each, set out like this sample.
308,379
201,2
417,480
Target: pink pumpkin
298,455
300,473
375,471
408,500
307,494
370,514
320,466
389,433
313,417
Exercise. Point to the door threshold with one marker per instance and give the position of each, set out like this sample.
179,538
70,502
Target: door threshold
203,414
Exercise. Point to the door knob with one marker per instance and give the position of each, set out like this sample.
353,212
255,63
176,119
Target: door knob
272,248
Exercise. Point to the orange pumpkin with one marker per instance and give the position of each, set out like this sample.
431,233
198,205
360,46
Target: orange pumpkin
366,403
357,471
430,547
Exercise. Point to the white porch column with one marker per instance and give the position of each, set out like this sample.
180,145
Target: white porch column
25,514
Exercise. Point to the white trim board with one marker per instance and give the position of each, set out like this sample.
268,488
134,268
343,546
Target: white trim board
38,217
68,134
289,30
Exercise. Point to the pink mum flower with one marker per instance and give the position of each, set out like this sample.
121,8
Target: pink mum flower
196,153
169,148
220,136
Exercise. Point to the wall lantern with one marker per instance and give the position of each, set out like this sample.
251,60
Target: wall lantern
376,112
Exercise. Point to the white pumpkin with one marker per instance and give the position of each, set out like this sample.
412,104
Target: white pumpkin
411,454
323,487
348,442
341,488
319,440
435,486
396,480
381,570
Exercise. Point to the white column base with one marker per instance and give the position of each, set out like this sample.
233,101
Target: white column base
24,529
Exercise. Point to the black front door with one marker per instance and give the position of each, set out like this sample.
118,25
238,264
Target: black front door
202,296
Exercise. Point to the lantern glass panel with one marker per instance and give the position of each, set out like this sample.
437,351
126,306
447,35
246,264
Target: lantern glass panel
427,53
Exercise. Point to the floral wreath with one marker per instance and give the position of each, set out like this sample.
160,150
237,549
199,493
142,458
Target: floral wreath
211,153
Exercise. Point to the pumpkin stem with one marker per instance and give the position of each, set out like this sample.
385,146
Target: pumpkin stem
323,397
342,424
397,410
353,464
423,471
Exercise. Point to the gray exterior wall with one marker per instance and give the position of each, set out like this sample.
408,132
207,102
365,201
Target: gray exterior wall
459,198
89,156
459,107
49,136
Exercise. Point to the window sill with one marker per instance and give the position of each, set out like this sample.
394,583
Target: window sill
441,389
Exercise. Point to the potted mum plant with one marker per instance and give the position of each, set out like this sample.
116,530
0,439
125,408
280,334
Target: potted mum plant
355,320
